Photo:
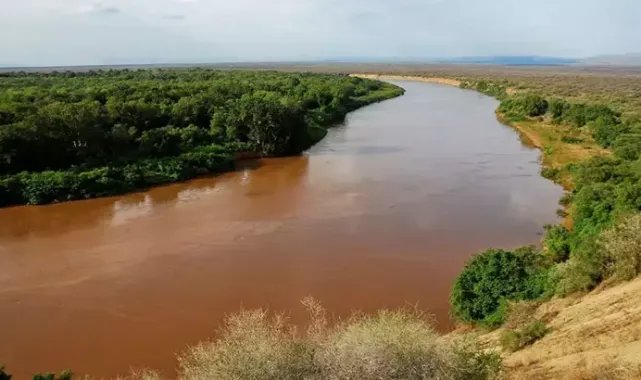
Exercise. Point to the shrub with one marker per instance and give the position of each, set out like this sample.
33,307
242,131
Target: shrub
628,146
605,132
535,105
388,345
571,139
622,249
64,375
474,363
252,346
557,242
551,173
494,277
519,313
397,344
514,340
557,108
582,272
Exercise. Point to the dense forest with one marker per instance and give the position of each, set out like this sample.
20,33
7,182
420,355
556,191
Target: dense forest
600,240
74,135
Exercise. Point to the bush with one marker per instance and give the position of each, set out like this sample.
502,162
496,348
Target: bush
557,242
529,105
571,139
514,340
557,108
64,375
622,249
252,346
605,132
519,313
582,272
550,173
388,345
628,146
492,278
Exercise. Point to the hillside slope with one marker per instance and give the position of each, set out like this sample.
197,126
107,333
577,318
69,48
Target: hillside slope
592,336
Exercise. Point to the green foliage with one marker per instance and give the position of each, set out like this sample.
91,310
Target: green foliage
628,146
529,105
571,140
76,135
56,186
493,277
64,375
550,173
493,89
514,340
557,242
605,130
557,108
582,272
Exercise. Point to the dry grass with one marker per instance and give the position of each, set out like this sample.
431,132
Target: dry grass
388,345
586,332
399,344
622,248
605,369
253,345
556,153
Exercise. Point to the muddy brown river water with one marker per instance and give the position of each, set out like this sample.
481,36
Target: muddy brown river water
382,213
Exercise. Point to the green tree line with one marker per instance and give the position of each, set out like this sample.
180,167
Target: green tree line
74,135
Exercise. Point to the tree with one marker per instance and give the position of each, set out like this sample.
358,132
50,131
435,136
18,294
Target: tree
493,277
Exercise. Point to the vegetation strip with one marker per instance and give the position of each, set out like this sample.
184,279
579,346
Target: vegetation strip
66,136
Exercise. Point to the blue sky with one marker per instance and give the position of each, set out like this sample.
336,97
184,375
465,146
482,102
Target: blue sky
67,32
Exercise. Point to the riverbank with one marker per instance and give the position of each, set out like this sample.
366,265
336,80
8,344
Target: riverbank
557,151
439,80
122,141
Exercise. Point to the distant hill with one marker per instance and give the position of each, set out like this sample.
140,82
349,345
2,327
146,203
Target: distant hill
621,60
630,59
516,60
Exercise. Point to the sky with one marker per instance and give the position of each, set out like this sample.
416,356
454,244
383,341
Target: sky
82,32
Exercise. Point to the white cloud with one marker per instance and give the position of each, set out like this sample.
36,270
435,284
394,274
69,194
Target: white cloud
41,31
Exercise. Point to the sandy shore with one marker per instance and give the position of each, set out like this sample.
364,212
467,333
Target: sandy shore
447,81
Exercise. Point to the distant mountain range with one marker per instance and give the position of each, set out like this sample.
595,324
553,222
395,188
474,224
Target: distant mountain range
631,59
517,60
621,60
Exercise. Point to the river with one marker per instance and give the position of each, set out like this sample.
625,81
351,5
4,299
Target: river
383,212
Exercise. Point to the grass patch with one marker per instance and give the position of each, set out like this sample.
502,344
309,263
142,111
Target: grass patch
557,152
514,340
